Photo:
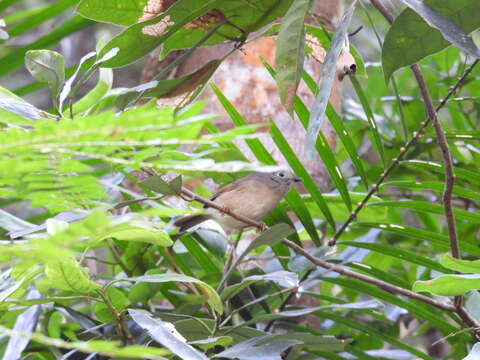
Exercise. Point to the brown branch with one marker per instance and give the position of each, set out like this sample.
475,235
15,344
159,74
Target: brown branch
191,196
378,283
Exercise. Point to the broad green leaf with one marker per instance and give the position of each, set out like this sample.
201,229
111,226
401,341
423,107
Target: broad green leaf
117,299
102,347
329,69
48,67
213,299
449,29
290,52
166,334
67,274
410,39
243,18
465,266
16,111
157,184
202,257
139,39
120,12
449,285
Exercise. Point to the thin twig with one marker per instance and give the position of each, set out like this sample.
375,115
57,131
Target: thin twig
118,317
378,283
447,157
416,136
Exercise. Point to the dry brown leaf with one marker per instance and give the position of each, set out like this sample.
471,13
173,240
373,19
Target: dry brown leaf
213,16
318,52
159,28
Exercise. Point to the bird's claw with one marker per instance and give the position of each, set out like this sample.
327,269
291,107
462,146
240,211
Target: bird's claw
262,227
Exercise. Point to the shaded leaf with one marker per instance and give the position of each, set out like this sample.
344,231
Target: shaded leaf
48,67
213,299
449,285
290,52
465,266
251,350
157,184
410,38
166,334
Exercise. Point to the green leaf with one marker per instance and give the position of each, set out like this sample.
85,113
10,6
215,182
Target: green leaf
117,299
399,253
253,349
436,186
213,299
95,95
300,170
48,67
290,52
120,12
424,206
67,274
465,266
102,347
166,334
460,173
329,70
157,184
145,233
15,58
416,233
410,39
370,117
449,285
139,39
449,29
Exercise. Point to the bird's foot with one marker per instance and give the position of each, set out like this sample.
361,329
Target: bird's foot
225,210
262,227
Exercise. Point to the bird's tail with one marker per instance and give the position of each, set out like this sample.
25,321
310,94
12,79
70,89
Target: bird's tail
186,222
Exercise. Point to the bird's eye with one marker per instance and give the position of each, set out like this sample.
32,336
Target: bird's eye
281,174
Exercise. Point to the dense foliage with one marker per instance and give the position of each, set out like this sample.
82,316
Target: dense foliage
91,265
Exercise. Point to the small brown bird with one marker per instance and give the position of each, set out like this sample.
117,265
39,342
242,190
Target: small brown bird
253,196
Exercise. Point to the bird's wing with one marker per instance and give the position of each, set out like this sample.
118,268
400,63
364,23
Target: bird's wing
230,187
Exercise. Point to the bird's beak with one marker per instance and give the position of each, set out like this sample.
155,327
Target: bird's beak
297,179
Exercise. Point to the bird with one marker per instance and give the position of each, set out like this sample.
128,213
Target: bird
253,196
